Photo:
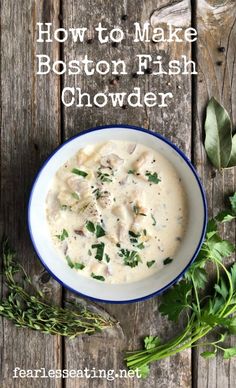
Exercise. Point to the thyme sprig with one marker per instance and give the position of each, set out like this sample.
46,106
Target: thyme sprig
30,308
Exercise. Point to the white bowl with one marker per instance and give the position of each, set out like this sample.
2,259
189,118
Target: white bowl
117,293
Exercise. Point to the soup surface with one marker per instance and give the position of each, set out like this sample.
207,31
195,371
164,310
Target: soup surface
117,211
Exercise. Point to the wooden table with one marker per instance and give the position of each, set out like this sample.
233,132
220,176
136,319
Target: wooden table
34,122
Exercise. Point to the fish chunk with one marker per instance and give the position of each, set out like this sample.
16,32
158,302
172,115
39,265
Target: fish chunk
79,185
143,161
66,198
112,161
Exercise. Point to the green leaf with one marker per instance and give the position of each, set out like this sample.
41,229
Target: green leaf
74,264
232,160
98,277
151,342
90,226
168,260
79,172
79,266
233,203
208,354
131,258
175,300
225,216
218,141
69,261
222,289
150,263
230,352
75,195
143,371
153,177
107,258
100,250
64,234
100,231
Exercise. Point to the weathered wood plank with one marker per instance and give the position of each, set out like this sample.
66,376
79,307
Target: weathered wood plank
216,28
139,319
30,129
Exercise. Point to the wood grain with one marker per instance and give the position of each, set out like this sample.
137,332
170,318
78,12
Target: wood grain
139,319
217,70
30,129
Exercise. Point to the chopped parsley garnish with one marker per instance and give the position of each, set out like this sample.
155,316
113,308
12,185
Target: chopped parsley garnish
64,234
89,252
74,264
97,193
98,277
150,263
168,260
154,220
98,229
79,172
131,258
107,258
103,176
140,245
153,177
90,226
133,234
75,195
131,172
134,239
100,250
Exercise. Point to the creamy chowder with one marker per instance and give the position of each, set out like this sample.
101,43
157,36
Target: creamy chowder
117,211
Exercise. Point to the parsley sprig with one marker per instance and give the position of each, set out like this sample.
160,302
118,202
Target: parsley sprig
204,312
131,258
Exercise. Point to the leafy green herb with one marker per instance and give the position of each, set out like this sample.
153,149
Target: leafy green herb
97,192
98,229
151,342
98,277
168,260
228,215
74,264
100,250
79,172
219,145
150,263
104,176
75,195
131,258
90,226
134,239
153,177
27,306
204,312
154,220
89,252
107,258
131,172
64,234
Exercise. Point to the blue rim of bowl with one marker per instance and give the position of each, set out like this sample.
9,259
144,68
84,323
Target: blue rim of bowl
184,157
